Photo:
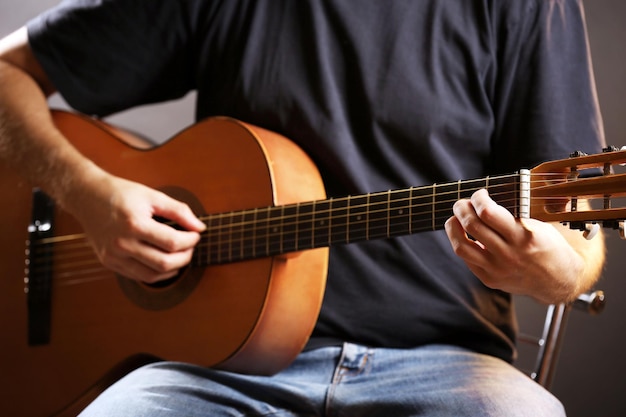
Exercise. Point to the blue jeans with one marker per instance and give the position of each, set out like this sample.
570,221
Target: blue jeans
352,381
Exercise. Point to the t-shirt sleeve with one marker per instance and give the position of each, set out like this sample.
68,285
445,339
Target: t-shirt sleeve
545,102
106,56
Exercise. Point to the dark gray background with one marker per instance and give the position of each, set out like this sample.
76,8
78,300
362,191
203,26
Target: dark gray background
591,374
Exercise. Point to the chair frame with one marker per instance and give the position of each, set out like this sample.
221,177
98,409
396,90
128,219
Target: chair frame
550,342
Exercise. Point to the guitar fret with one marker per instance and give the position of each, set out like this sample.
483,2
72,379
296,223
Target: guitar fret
261,241
305,226
236,236
420,219
226,235
275,227
271,231
213,239
466,189
367,218
296,221
445,198
289,234
339,224
330,222
220,239
504,192
321,223
249,230
388,194
378,215
432,210
399,213
347,239
358,218
313,209
410,207
225,238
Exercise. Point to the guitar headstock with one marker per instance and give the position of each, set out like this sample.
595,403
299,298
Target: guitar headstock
597,178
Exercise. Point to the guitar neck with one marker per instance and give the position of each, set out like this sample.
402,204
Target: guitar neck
269,231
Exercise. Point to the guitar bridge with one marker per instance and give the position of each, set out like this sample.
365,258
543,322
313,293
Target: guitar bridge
38,279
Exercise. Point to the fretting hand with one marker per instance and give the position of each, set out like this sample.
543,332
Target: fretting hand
520,256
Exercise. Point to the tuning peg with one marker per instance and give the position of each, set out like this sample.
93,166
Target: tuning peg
611,148
591,230
577,154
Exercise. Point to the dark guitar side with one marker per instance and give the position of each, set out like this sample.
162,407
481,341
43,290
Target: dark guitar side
252,316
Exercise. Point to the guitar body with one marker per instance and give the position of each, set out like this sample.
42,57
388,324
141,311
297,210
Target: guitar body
80,327
252,316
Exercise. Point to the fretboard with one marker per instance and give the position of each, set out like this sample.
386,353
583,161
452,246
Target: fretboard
269,231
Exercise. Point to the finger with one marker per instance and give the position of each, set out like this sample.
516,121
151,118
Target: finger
473,253
161,262
167,238
148,262
469,250
178,212
494,216
465,212
134,269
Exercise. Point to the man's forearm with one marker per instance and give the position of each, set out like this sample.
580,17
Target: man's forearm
29,141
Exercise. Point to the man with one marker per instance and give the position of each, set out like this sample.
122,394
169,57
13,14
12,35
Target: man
381,95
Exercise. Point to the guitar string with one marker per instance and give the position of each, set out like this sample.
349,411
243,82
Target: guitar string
231,226
235,242
319,213
447,210
73,276
379,234
386,205
57,239
67,273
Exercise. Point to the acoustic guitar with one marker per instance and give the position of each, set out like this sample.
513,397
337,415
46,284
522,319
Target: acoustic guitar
249,299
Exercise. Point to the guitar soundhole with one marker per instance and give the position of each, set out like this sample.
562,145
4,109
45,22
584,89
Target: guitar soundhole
168,293
165,283
162,295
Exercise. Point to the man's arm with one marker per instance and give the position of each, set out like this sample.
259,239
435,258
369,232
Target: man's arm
547,261
131,242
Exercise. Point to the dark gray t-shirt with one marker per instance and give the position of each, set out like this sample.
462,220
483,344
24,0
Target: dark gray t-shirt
381,94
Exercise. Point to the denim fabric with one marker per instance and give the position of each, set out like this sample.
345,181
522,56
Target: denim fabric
348,381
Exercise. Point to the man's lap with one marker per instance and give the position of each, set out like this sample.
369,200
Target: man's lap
350,381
